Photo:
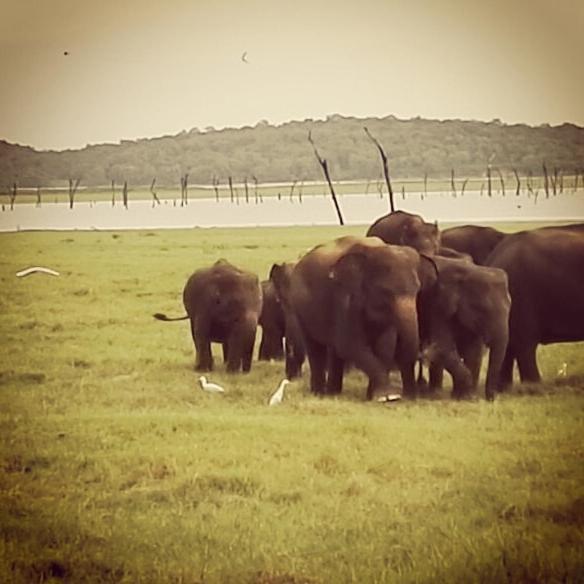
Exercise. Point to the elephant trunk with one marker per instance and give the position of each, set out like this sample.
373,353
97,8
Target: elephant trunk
408,341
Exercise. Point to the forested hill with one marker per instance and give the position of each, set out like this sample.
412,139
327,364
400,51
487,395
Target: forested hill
282,153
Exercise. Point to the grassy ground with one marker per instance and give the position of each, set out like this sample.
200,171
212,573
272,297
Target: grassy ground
116,467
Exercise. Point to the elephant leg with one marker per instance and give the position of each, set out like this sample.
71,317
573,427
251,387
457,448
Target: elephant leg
421,380
317,357
496,358
294,349
204,359
241,342
336,368
527,362
408,376
263,354
375,370
472,355
436,376
447,355
505,379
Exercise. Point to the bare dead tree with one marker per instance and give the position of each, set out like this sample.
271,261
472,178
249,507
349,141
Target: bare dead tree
125,194
482,188
529,184
13,194
489,185
452,184
324,165
216,187
561,181
501,181
300,189
385,168
113,193
464,182
246,189
38,199
426,183
73,185
258,197
292,189
380,187
554,180
184,189
546,181
230,180
518,187
367,186
403,191
155,199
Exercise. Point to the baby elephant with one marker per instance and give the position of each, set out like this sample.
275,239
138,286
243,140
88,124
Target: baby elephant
223,304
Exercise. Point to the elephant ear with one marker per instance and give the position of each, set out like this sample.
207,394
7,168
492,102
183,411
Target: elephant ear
348,273
280,276
428,271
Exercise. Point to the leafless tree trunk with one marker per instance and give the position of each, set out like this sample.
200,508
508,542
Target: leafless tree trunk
489,186
554,180
215,187
482,188
125,194
13,194
184,190
231,188
292,189
561,181
463,187
155,199
403,192
426,183
529,183
246,189
113,193
323,163
518,187
385,169
73,185
300,188
546,183
501,181
38,200
258,197
452,184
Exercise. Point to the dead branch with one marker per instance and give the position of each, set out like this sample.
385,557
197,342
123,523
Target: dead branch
385,169
155,200
230,180
452,183
518,187
546,182
73,185
125,194
463,187
324,165
501,181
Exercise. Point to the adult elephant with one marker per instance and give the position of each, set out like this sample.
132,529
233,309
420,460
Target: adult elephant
465,310
223,304
403,228
280,276
545,268
355,300
273,324
474,240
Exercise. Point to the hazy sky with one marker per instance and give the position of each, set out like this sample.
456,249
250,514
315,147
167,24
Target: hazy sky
141,68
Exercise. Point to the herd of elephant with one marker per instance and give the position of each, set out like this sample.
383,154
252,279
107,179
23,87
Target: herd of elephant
403,294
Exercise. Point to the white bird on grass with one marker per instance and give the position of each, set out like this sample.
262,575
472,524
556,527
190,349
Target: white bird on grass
210,387
278,395
390,397
563,370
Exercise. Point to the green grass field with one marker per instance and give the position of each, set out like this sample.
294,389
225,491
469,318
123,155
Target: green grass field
116,467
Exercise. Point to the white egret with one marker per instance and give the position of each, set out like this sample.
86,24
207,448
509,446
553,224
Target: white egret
278,395
210,387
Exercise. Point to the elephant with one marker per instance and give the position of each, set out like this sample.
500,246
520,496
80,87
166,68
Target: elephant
466,308
545,268
280,276
475,240
273,324
402,228
223,304
355,300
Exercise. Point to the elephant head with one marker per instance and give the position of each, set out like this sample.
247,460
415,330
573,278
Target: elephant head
375,290
425,237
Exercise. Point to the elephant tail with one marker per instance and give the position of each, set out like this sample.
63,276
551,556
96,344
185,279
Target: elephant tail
165,318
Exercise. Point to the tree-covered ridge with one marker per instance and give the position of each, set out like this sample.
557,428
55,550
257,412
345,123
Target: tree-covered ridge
415,147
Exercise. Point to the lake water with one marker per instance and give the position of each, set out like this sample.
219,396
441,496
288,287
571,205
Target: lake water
357,209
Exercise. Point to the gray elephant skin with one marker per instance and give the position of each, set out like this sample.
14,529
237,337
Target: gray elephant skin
355,300
474,240
223,304
403,228
545,268
465,310
272,323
